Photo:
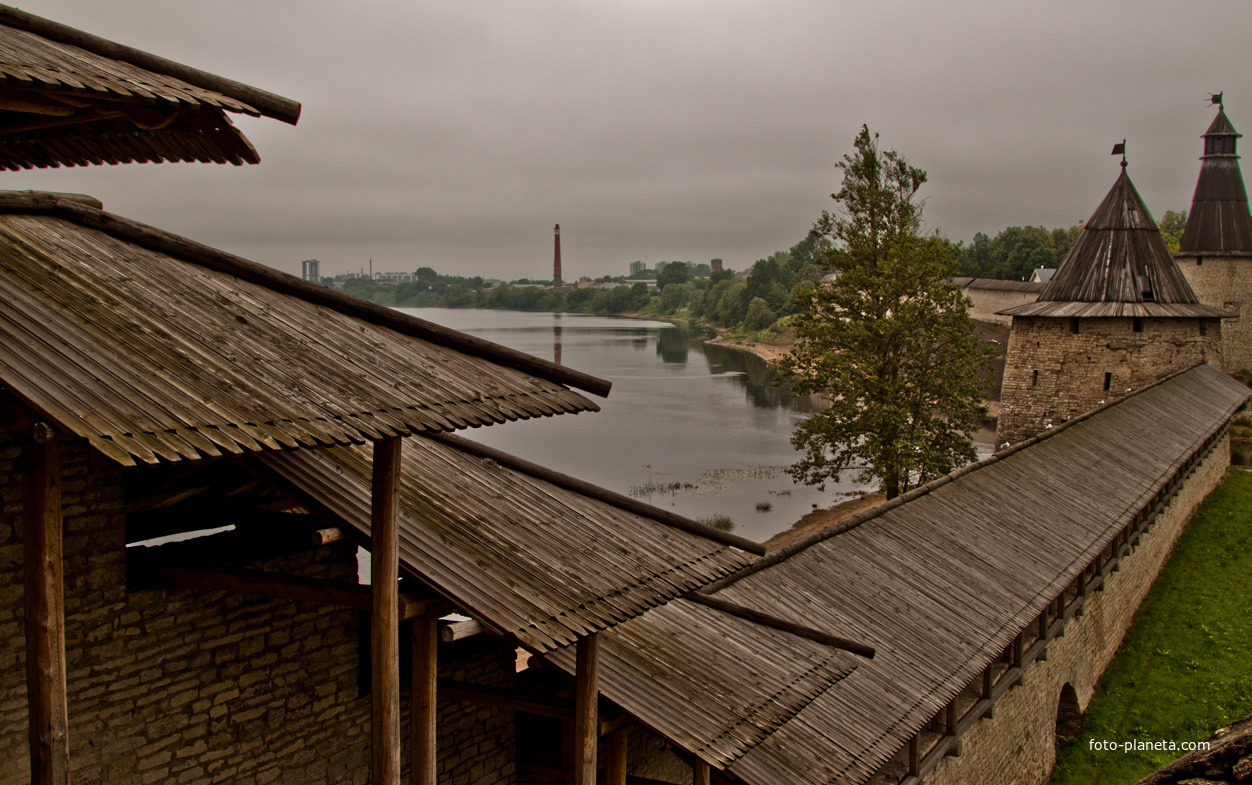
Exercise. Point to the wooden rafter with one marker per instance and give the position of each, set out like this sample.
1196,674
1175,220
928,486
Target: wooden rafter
286,587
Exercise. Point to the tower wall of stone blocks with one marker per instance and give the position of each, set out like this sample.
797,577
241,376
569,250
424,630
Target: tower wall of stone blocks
1059,368
1226,282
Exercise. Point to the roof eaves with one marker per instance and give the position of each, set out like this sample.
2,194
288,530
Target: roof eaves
220,261
266,103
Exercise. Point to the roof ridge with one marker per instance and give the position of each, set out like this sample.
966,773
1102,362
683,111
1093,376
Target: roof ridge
284,283
268,104
804,543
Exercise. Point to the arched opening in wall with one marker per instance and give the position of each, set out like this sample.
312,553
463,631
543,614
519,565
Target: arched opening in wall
1068,714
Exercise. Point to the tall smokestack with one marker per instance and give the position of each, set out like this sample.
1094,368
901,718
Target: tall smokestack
556,262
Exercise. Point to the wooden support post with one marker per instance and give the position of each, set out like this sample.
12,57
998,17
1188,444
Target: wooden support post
45,613
914,756
949,719
986,682
615,749
586,723
385,616
423,760
701,774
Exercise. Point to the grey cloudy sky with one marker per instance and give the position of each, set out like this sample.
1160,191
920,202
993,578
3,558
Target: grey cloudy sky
454,134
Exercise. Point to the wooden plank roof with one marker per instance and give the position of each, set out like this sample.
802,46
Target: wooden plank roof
1219,223
939,584
1119,257
995,284
527,555
70,98
153,348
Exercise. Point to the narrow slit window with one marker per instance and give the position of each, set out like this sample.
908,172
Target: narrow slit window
1034,379
1108,381
1204,327
1138,324
1073,325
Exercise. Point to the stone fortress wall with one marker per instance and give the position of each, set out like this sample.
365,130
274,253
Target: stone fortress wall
1016,744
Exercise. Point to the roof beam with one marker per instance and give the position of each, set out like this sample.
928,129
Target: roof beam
766,620
259,583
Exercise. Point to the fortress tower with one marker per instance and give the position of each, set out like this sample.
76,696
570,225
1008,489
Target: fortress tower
1117,315
1215,253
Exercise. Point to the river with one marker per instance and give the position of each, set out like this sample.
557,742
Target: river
689,426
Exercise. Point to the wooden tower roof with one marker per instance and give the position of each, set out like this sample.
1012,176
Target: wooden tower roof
1119,266
1219,223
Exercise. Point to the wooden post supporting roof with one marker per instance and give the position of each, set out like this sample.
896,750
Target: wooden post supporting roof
385,617
701,773
45,613
422,701
586,724
615,752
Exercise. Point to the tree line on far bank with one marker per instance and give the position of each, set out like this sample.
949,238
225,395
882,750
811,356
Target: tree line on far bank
758,304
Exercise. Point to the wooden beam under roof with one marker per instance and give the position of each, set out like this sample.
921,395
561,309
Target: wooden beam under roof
259,583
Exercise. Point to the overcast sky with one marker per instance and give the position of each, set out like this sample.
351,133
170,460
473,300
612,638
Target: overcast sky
454,134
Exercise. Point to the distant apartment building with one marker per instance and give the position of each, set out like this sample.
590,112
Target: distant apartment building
716,264
309,270
637,268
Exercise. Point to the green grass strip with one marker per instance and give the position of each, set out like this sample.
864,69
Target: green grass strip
1185,667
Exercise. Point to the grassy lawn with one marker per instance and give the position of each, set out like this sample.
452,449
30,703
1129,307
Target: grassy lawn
1185,668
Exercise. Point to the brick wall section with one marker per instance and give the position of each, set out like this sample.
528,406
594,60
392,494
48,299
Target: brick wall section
1018,746
198,687
1226,282
1052,374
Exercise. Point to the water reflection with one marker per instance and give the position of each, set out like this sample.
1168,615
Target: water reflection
701,426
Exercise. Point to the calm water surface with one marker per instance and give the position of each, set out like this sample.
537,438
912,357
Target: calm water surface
688,426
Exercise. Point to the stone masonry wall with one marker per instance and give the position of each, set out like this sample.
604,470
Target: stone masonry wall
1018,746
1226,282
197,687
1052,374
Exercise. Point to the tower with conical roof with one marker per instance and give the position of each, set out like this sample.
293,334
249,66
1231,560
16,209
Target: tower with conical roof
1215,253
1117,315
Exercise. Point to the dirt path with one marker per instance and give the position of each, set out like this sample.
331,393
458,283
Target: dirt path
820,519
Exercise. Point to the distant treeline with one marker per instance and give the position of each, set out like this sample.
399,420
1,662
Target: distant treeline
755,305
753,302
1015,253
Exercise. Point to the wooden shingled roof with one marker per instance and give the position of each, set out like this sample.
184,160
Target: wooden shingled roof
996,284
530,553
1219,223
153,347
69,98
938,582
1118,266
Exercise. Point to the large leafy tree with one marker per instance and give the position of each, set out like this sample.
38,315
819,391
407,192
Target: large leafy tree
889,340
